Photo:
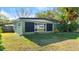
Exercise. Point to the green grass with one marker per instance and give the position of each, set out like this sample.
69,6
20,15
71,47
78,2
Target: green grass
14,42
41,41
44,39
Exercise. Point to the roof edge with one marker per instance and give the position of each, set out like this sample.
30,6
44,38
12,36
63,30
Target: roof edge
32,18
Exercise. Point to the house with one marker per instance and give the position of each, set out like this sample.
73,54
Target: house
32,25
8,27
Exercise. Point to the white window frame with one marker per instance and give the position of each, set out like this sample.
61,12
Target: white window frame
39,24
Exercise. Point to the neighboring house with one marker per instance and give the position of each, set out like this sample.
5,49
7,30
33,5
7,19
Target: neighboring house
31,25
8,27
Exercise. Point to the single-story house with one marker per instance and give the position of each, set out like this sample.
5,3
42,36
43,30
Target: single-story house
8,27
32,25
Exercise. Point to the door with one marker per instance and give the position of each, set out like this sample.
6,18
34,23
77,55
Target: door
29,27
49,27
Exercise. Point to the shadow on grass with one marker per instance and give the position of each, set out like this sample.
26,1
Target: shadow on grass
43,39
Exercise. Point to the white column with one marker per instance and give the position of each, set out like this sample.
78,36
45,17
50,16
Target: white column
53,27
45,27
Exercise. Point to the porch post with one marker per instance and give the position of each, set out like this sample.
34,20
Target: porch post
45,27
53,27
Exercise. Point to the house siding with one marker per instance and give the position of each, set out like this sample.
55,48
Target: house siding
21,28
23,24
18,27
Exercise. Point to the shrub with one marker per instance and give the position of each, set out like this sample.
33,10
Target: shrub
1,46
73,26
1,29
65,27
56,30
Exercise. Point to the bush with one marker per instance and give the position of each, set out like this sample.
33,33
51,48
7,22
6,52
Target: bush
1,29
56,30
73,26
1,46
67,27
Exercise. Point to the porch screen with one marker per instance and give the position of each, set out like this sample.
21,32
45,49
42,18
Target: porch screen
29,27
49,27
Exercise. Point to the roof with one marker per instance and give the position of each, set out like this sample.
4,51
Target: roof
37,19
33,18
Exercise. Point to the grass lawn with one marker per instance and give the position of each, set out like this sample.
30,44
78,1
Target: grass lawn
41,41
56,41
13,42
44,39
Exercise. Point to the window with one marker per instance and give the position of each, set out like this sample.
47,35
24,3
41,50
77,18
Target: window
39,27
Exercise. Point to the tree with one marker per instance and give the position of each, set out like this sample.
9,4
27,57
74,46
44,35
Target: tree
23,12
4,20
70,13
68,18
49,14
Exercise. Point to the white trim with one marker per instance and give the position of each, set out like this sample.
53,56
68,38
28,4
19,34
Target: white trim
44,27
53,26
34,20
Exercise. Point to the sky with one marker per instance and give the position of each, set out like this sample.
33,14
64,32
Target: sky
11,13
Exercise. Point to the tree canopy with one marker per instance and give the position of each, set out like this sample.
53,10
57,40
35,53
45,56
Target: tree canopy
66,15
69,13
45,14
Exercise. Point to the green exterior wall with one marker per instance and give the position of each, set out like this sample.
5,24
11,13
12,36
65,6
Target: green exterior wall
19,26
